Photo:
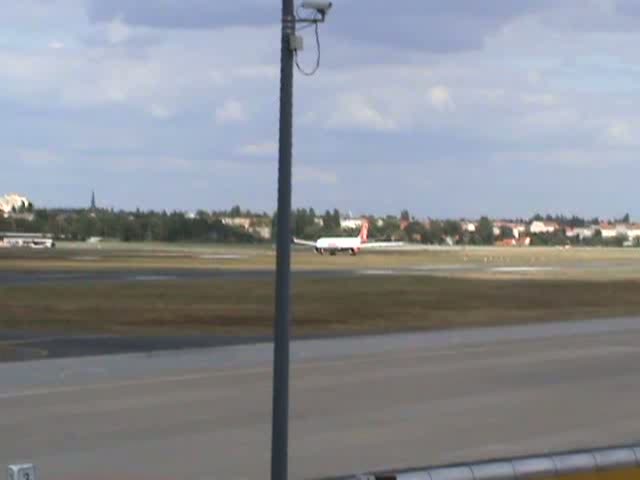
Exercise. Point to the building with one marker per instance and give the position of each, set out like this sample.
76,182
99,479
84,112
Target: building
469,227
538,226
609,231
242,222
13,202
25,240
250,225
517,229
633,231
351,223
579,232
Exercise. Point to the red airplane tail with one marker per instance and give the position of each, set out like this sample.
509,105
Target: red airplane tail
364,232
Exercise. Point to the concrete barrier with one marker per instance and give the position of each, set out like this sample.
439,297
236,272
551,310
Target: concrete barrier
617,463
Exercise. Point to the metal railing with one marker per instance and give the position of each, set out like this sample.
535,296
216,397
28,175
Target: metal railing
616,463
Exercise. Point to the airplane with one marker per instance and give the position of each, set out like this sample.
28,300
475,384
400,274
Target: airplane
353,245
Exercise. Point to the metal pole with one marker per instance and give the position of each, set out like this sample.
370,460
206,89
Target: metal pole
280,418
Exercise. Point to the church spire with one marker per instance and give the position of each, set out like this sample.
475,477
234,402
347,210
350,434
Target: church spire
93,200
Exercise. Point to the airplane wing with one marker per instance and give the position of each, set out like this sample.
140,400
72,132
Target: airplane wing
303,242
382,245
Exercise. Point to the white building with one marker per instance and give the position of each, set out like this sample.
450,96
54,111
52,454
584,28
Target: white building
351,223
468,227
242,222
609,231
543,227
579,232
633,231
12,201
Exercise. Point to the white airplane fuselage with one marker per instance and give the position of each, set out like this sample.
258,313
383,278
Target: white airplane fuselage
338,244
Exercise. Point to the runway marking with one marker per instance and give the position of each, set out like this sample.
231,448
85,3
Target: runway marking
522,269
145,278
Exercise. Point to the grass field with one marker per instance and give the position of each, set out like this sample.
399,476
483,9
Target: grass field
584,283
321,306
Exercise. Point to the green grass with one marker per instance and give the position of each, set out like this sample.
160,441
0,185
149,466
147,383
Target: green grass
320,306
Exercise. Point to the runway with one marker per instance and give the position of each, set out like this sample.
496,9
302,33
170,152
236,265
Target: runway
26,278
358,404
14,278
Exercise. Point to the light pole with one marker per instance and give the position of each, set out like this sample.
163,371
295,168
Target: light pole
280,417
290,45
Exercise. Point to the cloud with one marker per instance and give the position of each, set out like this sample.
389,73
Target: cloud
231,112
356,111
455,25
440,98
308,174
541,99
56,45
264,149
159,111
186,14
620,133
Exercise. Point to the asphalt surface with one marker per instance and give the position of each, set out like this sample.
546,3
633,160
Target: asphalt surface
8,278
15,278
358,404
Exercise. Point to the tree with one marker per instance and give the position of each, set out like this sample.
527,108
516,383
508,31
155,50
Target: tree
506,232
452,228
415,231
434,234
404,216
485,231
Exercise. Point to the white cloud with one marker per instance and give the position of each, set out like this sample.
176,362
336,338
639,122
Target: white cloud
620,133
56,45
304,173
117,32
231,112
264,149
159,111
355,110
440,98
542,99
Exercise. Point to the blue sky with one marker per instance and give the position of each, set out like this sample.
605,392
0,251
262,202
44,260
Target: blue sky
456,108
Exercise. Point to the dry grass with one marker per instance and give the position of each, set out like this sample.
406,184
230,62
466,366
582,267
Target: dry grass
321,306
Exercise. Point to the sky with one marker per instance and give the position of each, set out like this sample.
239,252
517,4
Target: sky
453,108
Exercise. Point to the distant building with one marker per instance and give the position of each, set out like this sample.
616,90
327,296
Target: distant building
517,229
469,227
351,223
608,230
25,240
93,200
579,232
242,222
633,231
543,227
13,202
250,225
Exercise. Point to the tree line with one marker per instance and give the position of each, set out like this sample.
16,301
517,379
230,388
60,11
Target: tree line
80,225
